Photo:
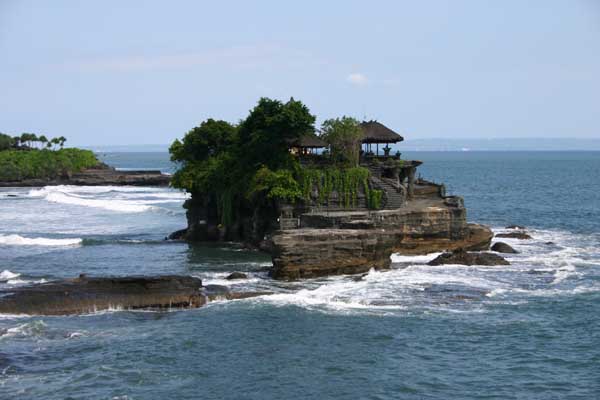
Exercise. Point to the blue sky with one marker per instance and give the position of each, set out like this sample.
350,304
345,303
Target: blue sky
116,72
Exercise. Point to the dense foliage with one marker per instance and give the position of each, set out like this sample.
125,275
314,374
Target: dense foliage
229,162
16,165
249,164
344,137
6,142
346,182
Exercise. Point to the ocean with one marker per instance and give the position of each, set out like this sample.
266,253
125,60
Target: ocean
530,330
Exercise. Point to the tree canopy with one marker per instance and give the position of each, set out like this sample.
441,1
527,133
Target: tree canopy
6,142
344,137
239,167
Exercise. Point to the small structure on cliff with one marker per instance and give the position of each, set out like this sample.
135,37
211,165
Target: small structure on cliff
376,133
342,210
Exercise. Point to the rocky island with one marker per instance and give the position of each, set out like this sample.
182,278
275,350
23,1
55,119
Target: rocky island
320,204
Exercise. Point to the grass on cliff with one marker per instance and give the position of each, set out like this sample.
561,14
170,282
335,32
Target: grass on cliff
16,165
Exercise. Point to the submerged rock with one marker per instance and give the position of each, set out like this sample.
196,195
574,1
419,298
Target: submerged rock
501,247
515,227
463,257
236,275
515,235
177,235
84,295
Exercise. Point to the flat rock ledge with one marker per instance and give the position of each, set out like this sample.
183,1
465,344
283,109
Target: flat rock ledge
100,176
462,257
311,253
90,294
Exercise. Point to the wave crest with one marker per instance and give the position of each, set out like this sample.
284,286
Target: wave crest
18,240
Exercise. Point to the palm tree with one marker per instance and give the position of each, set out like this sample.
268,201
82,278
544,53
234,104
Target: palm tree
43,140
55,141
33,138
62,141
25,138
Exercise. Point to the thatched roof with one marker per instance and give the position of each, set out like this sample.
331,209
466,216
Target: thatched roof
308,140
375,132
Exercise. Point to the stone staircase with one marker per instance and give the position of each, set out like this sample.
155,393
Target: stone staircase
288,223
394,199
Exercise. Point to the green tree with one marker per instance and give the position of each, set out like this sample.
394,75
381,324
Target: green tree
55,142
265,134
61,141
344,137
209,139
26,139
43,140
6,142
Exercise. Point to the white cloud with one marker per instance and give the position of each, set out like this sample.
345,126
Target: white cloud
358,79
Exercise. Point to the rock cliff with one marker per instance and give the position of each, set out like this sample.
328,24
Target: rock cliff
310,240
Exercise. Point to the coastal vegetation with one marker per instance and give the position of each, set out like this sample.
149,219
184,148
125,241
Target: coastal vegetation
35,157
239,168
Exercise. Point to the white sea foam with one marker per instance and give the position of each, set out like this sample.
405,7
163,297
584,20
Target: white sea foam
422,259
7,275
112,205
113,198
18,240
34,328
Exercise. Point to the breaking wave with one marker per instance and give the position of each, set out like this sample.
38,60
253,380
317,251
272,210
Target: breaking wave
553,263
113,198
18,240
7,275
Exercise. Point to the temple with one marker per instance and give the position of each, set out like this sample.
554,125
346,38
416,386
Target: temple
347,219
336,236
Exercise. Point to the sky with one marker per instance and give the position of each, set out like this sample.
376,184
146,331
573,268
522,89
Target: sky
145,72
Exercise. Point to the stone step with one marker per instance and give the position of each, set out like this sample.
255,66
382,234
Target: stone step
289,223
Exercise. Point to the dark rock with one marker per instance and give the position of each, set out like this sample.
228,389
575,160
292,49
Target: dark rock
310,253
359,277
236,275
515,227
468,258
84,295
514,235
177,235
220,292
99,175
501,247
550,243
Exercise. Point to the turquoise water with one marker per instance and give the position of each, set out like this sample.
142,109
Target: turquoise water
527,331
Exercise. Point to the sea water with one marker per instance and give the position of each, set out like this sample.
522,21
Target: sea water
530,330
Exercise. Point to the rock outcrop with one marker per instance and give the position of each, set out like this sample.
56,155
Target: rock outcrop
515,235
236,275
501,247
462,257
330,244
100,176
86,294
310,253
308,240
